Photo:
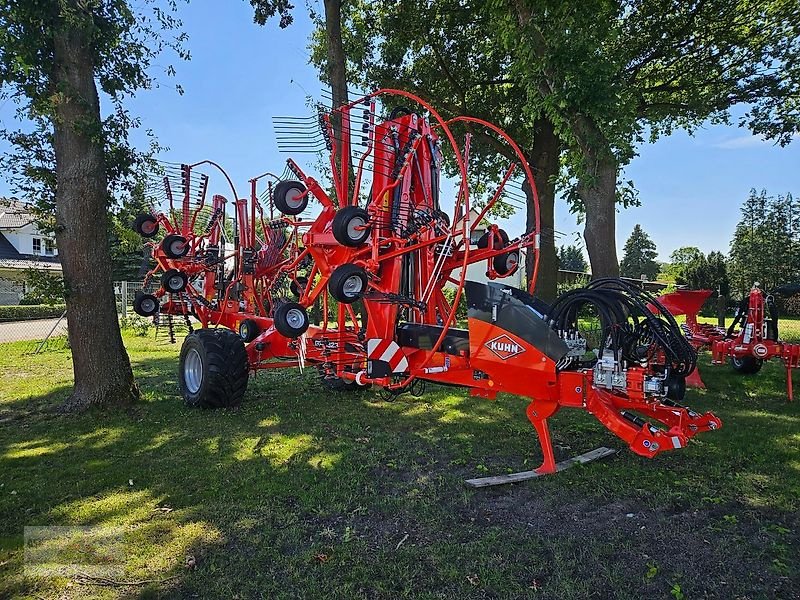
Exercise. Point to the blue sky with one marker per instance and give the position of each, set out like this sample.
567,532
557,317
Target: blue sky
241,75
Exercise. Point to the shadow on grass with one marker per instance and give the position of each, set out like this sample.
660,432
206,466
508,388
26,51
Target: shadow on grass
305,493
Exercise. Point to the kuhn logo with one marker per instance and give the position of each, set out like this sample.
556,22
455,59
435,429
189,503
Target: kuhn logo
504,347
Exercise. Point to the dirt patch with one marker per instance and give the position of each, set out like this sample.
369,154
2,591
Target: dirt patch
722,551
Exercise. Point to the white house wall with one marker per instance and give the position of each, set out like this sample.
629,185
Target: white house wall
22,239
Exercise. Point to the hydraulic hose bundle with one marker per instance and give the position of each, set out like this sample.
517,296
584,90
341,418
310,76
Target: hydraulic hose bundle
634,325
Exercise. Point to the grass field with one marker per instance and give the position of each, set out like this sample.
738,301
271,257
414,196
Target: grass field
310,494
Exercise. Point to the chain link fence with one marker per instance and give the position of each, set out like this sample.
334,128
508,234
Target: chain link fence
41,328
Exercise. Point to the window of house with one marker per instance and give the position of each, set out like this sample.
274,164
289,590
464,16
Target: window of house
37,245
49,247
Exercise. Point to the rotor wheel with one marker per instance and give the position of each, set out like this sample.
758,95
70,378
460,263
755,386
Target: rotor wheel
146,305
504,264
249,330
145,225
213,369
175,246
291,320
298,286
350,226
174,281
746,365
348,283
483,241
290,197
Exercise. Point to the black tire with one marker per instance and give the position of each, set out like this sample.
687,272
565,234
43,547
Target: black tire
289,197
747,365
175,246
174,281
347,226
213,369
504,263
145,225
348,283
483,241
291,320
249,330
146,305
298,287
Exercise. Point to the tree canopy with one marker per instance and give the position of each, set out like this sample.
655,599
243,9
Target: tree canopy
570,258
609,73
766,242
639,255
696,271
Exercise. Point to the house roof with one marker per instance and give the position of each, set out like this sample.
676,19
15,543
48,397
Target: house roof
7,250
14,214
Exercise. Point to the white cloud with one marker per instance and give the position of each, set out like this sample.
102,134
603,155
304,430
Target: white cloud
747,141
742,141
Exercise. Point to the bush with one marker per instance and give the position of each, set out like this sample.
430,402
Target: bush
461,312
43,288
36,311
138,325
563,287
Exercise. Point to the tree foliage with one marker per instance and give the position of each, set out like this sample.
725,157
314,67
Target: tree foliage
570,258
609,73
766,242
639,256
125,43
43,287
691,268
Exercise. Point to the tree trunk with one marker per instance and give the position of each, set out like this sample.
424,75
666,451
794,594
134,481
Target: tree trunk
337,73
599,193
597,189
103,375
337,76
544,162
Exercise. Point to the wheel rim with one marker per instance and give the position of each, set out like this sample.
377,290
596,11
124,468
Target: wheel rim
511,261
193,371
353,286
175,283
148,305
177,247
294,198
355,228
295,318
148,227
243,333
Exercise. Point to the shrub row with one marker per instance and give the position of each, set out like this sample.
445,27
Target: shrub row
35,311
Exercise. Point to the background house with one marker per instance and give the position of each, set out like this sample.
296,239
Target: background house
22,247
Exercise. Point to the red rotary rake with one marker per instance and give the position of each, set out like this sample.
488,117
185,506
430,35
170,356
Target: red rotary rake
382,246
750,339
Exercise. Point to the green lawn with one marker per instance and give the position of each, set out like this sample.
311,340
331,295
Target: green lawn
303,493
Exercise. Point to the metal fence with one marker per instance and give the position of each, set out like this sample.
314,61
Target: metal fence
36,334
49,331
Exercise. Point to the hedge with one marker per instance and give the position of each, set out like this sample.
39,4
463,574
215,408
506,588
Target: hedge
34,311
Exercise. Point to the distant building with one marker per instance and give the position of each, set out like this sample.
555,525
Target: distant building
22,247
